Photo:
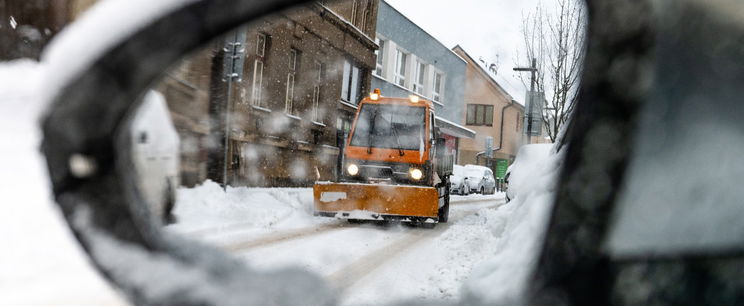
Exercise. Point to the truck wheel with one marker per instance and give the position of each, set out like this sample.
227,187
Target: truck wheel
444,210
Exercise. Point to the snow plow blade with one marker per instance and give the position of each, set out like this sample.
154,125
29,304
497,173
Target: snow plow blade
376,202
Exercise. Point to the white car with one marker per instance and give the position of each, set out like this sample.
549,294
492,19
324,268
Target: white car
156,149
526,162
458,181
480,179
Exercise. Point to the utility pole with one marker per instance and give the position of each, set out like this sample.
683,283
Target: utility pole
233,72
530,96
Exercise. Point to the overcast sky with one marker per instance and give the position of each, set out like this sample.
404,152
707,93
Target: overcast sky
484,28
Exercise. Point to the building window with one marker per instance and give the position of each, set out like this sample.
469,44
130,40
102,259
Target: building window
355,11
400,68
289,100
418,82
316,91
479,114
288,107
257,82
438,87
365,17
293,59
352,83
258,70
380,53
261,45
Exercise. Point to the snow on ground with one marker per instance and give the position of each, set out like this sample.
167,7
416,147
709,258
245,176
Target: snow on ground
209,206
240,213
519,227
41,262
449,252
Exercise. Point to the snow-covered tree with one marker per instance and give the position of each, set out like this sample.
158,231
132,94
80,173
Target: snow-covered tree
556,40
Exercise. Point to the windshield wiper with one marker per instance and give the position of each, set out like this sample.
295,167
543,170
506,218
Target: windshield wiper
371,132
395,133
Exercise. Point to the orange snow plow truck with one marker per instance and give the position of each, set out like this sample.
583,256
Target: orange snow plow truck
395,166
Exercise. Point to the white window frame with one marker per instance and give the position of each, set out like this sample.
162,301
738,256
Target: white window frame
261,45
437,93
354,12
419,80
257,86
258,70
289,93
293,59
380,58
345,86
401,63
351,82
289,100
316,92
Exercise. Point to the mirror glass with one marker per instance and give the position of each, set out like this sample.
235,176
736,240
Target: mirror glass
247,144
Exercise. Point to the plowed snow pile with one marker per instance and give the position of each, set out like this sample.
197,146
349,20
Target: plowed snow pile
208,206
518,228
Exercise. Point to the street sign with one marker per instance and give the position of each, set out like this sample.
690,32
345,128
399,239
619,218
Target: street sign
533,114
489,146
501,166
234,56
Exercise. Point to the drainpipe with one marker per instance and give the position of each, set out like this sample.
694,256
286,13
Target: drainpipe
501,130
501,133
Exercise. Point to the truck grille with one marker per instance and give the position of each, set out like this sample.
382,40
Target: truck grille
380,172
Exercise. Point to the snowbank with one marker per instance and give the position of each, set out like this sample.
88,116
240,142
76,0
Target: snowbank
209,207
516,229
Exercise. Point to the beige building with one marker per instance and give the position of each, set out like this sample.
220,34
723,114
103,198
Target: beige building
491,112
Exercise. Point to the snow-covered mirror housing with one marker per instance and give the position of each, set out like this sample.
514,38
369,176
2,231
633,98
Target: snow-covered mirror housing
88,146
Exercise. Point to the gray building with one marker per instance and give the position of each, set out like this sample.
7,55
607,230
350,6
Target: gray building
412,62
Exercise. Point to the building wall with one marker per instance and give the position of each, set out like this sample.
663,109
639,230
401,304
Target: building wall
272,142
186,90
398,32
480,88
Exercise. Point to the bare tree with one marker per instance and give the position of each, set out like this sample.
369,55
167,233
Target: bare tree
556,41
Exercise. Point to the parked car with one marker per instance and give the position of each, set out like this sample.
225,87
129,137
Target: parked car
521,173
458,181
480,179
156,147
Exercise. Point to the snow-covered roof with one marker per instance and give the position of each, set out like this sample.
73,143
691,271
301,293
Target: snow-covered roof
485,73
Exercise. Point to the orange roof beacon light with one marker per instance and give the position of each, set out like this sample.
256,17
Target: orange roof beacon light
375,95
395,165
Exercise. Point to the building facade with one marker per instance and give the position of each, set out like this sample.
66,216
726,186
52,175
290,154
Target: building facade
494,115
303,72
412,62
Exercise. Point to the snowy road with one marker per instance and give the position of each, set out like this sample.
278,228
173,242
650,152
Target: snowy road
369,263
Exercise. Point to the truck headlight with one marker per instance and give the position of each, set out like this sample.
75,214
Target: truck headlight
416,174
352,169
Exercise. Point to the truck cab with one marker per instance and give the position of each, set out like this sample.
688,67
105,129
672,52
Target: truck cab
392,141
394,165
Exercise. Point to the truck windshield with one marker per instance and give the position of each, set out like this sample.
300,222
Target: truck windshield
390,127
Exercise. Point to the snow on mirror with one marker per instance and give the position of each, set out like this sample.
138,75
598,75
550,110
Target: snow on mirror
325,137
